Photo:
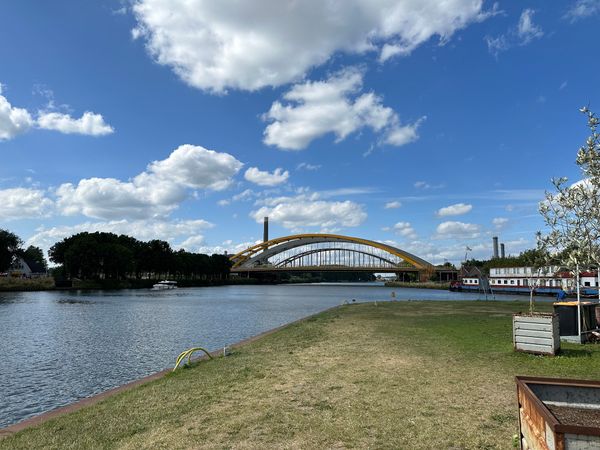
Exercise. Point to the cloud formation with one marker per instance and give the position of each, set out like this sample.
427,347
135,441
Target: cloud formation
304,211
155,192
24,203
144,230
393,205
582,9
249,45
522,34
264,178
89,123
336,105
457,230
13,121
500,222
454,210
405,229
307,166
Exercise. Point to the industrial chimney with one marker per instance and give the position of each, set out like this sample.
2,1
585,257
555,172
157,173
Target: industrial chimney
495,240
266,231
502,250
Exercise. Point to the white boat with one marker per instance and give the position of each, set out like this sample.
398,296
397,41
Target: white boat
161,285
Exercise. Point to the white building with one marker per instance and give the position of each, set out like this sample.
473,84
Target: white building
550,276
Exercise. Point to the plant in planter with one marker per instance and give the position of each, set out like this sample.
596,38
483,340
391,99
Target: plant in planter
535,332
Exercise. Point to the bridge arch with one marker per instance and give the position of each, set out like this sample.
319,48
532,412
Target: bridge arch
258,255
300,256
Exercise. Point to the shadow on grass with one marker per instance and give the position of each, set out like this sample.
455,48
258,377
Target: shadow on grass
575,353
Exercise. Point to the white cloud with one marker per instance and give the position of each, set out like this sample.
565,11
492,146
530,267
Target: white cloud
192,243
143,230
89,123
457,230
307,166
264,178
438,252
249,45
153,193
522,34
347,191
194,166
582,9
393,205
454,210
402,135
336,105
404,229
13,121
310,211
526,29
21,203
244,195
500,222
426,185
227,246
109,198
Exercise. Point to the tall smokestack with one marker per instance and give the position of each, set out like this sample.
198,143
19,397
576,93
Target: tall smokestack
495,239
266,232
502,251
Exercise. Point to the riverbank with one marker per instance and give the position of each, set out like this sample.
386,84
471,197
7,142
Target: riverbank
419,285
9,284
395,375
48,284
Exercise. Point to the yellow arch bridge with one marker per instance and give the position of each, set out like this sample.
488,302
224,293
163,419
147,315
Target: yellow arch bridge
328,253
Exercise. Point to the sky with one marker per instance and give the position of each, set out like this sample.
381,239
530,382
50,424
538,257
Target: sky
429,126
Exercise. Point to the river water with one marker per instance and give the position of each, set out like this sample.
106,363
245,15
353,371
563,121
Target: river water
61,346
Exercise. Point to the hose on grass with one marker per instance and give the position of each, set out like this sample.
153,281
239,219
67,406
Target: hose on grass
189,353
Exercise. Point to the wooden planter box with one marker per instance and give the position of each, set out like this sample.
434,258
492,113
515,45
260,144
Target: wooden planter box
537,333
558,414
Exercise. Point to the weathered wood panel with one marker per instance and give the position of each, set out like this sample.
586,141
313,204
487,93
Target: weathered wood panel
533,326
545,341
536,334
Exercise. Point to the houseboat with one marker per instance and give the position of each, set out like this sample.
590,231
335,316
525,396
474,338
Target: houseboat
521,280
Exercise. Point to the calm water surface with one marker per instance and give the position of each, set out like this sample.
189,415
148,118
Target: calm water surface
59,347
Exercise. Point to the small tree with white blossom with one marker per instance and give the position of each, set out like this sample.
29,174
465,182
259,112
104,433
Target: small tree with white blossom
572,213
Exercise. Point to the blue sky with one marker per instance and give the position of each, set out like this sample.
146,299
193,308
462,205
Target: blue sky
429,127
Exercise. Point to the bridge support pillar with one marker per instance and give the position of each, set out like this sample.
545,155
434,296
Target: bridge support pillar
424,276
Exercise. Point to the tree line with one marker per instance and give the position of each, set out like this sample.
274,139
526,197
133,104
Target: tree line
97,256
11,248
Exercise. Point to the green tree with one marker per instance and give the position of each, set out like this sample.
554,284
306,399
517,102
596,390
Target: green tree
35,254
10,246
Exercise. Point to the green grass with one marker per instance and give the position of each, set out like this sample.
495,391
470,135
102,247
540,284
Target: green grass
414,375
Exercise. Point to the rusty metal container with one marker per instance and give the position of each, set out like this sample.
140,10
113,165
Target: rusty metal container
558,414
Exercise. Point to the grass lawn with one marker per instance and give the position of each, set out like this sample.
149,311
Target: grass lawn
409,375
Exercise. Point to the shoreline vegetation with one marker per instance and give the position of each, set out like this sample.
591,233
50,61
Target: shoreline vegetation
421,374
445,285
9,284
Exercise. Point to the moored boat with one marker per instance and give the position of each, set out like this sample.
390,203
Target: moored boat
165,284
